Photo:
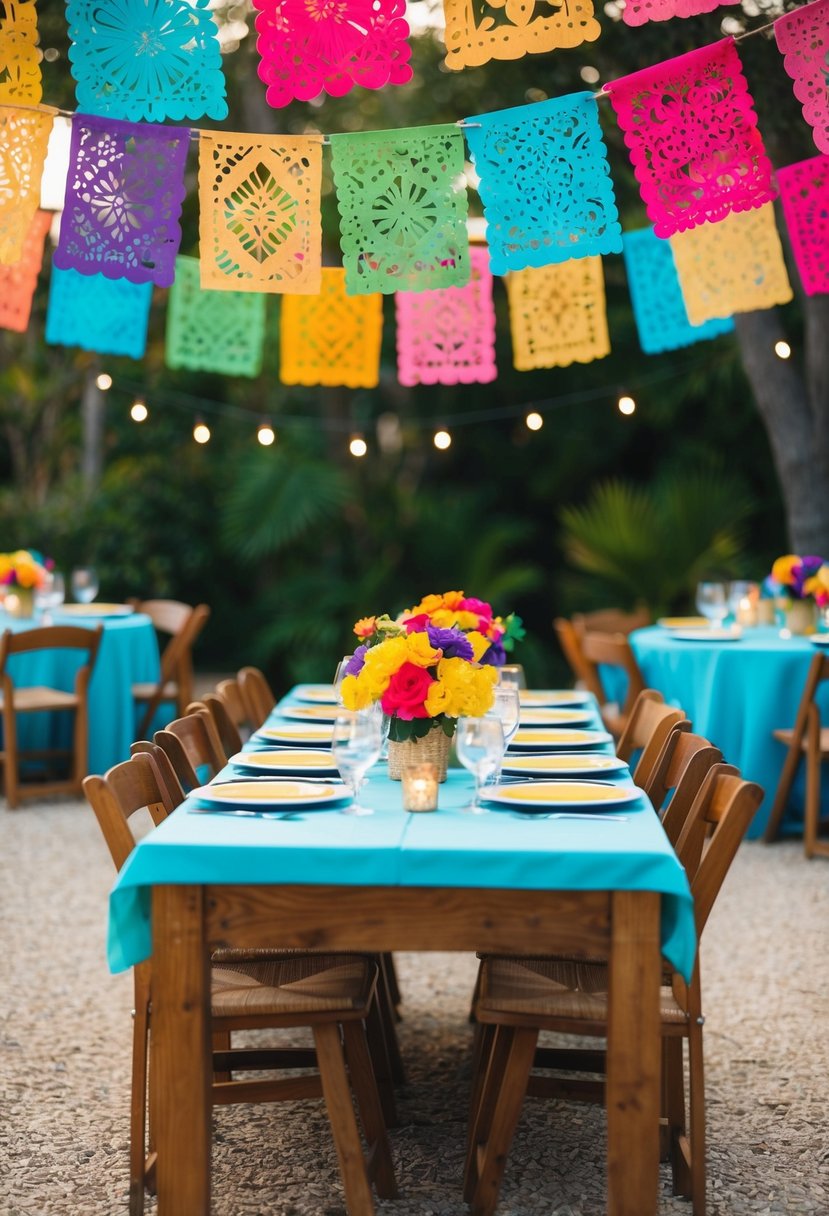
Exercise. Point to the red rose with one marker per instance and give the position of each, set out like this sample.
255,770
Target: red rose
417,624
406,692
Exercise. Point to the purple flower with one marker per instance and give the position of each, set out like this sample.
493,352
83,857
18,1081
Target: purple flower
453,642
496,656
357,661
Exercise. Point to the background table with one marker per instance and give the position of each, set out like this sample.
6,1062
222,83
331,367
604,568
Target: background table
128,655
735,693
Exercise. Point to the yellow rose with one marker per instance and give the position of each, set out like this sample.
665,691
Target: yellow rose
420,650
384,660
466,620
480,645
354,693
438,699
782,569
822,577
427,605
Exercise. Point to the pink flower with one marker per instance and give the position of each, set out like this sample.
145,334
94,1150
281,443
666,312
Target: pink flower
406,693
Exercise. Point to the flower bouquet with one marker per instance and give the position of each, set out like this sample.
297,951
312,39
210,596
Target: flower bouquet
434,664
800,583
22,573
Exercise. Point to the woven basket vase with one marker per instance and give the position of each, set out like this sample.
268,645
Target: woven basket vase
433,748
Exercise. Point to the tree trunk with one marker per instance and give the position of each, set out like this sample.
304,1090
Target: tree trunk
92,424
794,408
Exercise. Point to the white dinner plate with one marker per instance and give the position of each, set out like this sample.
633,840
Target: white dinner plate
565,764
295,734
286,761
820,639
731,634
556,717
550,738
317,694
532,698
533,796
94,610
312,713
683,622
264,793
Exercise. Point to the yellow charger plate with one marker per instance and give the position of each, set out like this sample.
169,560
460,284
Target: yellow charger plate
269,793
295,735
683,622
550,738
286,761
534,698
555,717
565,764
312,713
534,795
97,609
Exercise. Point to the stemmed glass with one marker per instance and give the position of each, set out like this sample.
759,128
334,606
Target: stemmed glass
711,602
479,743
84,584
512,675
355,743
507,708
50,595
339,676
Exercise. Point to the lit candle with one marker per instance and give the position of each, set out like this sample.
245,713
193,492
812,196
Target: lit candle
420,787
746,611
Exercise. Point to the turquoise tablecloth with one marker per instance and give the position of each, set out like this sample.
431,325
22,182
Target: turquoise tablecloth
735,693
392,848
128,655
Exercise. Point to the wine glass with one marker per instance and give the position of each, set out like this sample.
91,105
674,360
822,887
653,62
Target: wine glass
512,675
50,595
507,708
479,743
711,602
355,743
339,676
84,584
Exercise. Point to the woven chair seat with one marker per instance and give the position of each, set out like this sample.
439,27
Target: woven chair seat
30,699
554,989
145,692
296,984
787,736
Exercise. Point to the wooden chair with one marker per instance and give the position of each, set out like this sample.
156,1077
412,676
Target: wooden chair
225,727
183,624
519,997
612,650
611,620
584,675
193,748
257,696
330,994
806,738
682,766
650,721
230,695
15,700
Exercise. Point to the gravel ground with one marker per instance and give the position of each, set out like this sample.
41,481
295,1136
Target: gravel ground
65,1034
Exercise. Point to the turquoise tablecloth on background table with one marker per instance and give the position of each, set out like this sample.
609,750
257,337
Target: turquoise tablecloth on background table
392,848
128,655
735,693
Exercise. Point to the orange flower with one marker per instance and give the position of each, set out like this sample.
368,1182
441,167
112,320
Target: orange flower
366,626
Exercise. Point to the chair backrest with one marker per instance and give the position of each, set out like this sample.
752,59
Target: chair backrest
716,823
613,650
583,672
183,623
129,787
193,748
648,726
684,763
166,772
612,620
818,671
257,695
226,729
230,694
52,637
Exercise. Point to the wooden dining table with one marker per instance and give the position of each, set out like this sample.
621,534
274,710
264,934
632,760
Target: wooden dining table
394,881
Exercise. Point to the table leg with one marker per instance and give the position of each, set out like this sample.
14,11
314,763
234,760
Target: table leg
180,1057
633,1056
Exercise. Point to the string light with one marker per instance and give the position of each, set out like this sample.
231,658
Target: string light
104,381
626,405
201,432
139,411
357,446
782,350
266,434
534,421
442,440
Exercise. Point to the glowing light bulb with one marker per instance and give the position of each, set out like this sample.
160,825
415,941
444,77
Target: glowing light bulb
104,381
442,440
782,350
139,411
534,421
266,434
626,405
357,446
201,432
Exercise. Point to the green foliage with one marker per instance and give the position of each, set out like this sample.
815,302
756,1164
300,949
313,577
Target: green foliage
652,544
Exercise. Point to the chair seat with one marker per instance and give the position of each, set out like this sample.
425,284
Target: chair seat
294,985
30,699
554,989
145,692
786,736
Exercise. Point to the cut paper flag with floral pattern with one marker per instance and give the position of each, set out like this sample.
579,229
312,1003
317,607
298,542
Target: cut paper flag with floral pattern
557,314
735,266
108,316
123,202
448,336
146,59
213,331
24,138
495,29
691,130
310,46
18,282
259,212
331,339
803,40
544,183
804,193
402,202
637,12
661,318
19,57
